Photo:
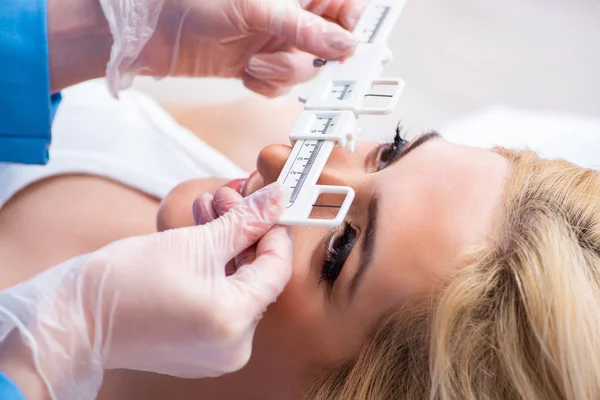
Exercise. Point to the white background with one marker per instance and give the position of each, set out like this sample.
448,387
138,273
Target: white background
459,56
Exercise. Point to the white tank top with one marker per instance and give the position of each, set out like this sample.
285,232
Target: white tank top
132,141
135,142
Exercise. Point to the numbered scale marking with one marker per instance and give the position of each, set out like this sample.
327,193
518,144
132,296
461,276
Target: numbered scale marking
305,155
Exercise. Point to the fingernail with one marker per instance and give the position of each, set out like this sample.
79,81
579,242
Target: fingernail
195,212
230,268
340,40
319,62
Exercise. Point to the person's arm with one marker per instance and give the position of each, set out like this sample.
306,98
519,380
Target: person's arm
19,379
79,41
76,33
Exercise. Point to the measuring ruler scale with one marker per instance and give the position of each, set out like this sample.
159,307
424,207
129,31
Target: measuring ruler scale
331,110
377,21
316,134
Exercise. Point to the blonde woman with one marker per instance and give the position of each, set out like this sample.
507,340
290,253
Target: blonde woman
461,272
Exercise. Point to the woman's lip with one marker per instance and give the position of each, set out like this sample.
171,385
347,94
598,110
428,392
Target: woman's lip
236,184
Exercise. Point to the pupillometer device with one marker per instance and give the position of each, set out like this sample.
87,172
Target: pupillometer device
332,107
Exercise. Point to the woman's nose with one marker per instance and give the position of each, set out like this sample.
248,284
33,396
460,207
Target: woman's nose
271,160
339,170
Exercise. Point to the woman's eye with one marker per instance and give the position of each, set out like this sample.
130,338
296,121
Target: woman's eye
389,152
385,156
340,246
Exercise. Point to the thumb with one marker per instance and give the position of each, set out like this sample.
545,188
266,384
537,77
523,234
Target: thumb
265,278
304,29
248,221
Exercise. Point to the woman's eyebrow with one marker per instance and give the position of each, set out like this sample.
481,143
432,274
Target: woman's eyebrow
421,140
367,245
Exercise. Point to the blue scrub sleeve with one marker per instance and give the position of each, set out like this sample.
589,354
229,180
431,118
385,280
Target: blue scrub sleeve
26,107
8,389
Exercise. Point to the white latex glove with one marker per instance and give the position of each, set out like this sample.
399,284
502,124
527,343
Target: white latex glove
160,303
266,43
207,208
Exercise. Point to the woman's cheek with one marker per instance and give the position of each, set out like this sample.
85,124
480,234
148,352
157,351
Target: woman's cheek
300,311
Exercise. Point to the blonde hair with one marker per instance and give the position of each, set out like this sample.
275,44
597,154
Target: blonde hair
518,320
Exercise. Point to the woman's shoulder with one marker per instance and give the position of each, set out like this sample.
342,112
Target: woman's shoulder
131,140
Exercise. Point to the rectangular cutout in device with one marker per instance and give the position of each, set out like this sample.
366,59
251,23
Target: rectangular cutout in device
380,96
326,206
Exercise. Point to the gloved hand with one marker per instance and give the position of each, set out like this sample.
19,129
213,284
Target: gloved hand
160,303
207,208
266,43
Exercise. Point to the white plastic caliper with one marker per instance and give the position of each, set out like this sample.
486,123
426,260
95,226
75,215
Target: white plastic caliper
331,110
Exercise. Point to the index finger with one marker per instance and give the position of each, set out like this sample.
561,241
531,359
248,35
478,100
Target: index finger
263,280
303,29
344,12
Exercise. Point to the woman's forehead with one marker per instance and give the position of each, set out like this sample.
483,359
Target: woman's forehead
432,206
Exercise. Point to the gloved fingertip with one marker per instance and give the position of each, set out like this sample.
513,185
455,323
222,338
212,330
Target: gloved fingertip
224,199
251,219
272,197
226,192
340,40
284,193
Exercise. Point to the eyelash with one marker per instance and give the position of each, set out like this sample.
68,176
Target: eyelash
341,243
338,251
388,152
